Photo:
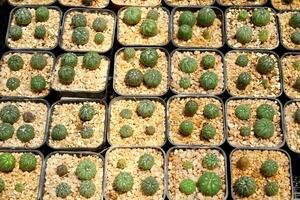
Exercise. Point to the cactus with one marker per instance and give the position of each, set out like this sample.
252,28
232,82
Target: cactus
59,132
244,34
78,20
126,131
263,35
209,184
188,65
7,162
243,80
23,16
152,78
99,24
211,111
264,128
42,14
149,57
63,190
80,36
38,61
61,170
295,20
185,32
245,186
187,165
206,17
191,108
149,186
186,128
265,111
66,75
87,112
87,189
2,185
185,83
132,16
86,132
243,163
245,131
145,108
187,18
6,131
242,60
37,83
271,189
208,61
149,28
187,186
261,17
146,161
269,168
25,133
13,83
208,131
209,80
15,62
86,170
133,77
15,32
121,164
123,182
296,115
99,38
126,113
243,15
152,14
19,187
243,111
295,37
265,64
91,60
150,130
27,162
69,59
210,161
129,53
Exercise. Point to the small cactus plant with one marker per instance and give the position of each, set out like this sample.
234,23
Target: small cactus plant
187,186
269,168
132,16
149,186
186,128
243,80
187,18
123,182
188,65
265,64
209,184
145,108
244,34
243,163
134,77
210,161
271,189
191,108
206,17
261,17
146,161
264,128
245,186
243,111
86,170
265,111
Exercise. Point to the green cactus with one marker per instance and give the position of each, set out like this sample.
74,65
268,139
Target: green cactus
15,32
91,60
78,20
265,64
209,184
126,131
186,128
296,65
211,111
206,17
190,108
185,83
149,186
133,77
209,80
122,163
243,15
9,114
245,186
149,57
6,131
208,131
80,36
263,35
59,132
27,162
295,20
15,62
149,28
242,60
37,83
13,83
187,165
296,115
132,16
261,17
99,38
243,80
86,170
243,111
152,14
150,130
269,168
2,185
126,113
146,161
129,53
23,16
42,14
265,111
38,61
208,61
61,170
187,18
87,112
185,32
243,163
28,117
87,189
245,131
264,128
187,186
206,34
99,24
19,187
40,32
295,37
86,132
25,133
210,161
188,65
7,162
244,34
66,75
63,190
69,59
271,189
145,108
152,78
123,182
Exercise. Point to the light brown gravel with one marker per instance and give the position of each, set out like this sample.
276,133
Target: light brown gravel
136,2
137,123
76,3
290,75
197,39
132,156
233,24
190,2
41,113
286,30
292,127
66,42
31,181
24,75
30,2
130,35
122,66
68,114
256,158
85,79
234,124
28,41
255,88
242,2
176,173
177,74
176,116
278,4
52,180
